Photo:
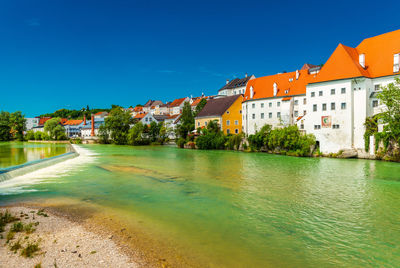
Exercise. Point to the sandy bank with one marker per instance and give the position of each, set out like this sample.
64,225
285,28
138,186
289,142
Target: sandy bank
62,243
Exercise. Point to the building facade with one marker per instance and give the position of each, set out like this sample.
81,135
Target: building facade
235,86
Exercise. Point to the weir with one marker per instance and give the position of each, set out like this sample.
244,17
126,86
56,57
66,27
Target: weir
15,171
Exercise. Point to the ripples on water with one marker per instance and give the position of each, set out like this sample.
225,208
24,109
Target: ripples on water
241,209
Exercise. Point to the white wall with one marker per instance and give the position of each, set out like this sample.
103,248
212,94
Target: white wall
270,107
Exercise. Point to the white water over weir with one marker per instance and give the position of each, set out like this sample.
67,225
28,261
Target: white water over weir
19,170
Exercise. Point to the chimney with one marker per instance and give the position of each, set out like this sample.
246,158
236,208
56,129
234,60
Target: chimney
245,75
227,81
297,74
275,89
92,133
84,119
361,59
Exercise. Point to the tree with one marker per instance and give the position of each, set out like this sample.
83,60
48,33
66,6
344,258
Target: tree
200,106
187,121
30,135
390,97
136,135
5,128
154,131
117,124
17,124
55,130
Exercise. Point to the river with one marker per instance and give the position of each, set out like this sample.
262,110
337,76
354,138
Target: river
235,209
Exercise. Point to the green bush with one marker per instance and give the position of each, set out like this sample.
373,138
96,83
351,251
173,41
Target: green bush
30,135
181,142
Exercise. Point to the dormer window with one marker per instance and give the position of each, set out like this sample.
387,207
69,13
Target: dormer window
396,62
251,92
275,89
286,91
291,79
361,59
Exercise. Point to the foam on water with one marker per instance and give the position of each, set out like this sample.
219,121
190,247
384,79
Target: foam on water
19,184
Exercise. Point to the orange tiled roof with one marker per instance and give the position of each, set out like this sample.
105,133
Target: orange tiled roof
63,120
140,115
138,108
72,122
177,102
378,50
264,86
197,101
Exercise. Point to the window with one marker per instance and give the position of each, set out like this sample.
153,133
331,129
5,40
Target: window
324,107
377,87
314,107
198,124
320,93
262,115
296,113
227,112
375,103
270,115
304,101
302,126
270,104
236,130
312,94
335,126
333,106
228,122
317,126
296,102
253,116
205,123
262,105
332,91
286,91
253,105
236,122
278,115
228,131
396,63
240,111
278,103
304,112
343,106
343,90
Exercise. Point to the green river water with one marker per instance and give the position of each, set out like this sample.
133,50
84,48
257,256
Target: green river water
16,153
234,209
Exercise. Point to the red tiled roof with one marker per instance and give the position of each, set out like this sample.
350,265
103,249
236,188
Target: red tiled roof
138,108
177,102
43,120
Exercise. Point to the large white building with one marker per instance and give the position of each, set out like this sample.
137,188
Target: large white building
276,100
343,94
331,102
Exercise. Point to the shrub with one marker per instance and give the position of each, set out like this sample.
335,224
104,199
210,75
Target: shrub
181,142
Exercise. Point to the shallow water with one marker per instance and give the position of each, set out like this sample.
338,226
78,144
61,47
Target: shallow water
232,209
16,153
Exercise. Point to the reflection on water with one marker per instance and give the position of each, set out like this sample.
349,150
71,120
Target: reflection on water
16,153
231,209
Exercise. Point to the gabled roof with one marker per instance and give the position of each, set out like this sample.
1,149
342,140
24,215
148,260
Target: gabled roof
287,85
43,120
196,101
217,107
237,82
160,117
378,50
177,102
138,109
342,64
307,66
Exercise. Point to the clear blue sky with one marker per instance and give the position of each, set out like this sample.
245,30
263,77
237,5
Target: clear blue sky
67,54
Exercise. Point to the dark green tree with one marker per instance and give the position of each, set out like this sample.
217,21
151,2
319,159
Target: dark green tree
17,123
200,106
186,122
5,128
117,125
55,130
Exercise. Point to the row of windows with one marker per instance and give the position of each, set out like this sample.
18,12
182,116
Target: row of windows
333,92
333,106
278,115
333,126
228,122
278,104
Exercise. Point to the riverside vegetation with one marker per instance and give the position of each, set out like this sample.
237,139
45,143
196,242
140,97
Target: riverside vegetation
387,142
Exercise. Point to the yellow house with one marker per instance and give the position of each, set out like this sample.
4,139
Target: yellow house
227,111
